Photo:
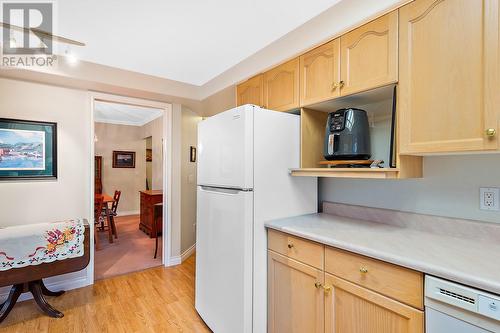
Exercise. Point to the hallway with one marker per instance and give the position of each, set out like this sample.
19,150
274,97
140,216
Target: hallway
132,251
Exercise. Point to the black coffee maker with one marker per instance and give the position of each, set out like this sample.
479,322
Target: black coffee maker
347,135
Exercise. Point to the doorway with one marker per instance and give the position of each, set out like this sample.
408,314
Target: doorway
130,162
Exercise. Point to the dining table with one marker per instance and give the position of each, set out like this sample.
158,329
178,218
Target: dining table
107,199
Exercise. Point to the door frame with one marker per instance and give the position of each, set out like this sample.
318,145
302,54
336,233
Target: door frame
167,147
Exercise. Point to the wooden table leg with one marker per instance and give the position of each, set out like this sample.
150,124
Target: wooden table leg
7,306
35,287
48,292
110,229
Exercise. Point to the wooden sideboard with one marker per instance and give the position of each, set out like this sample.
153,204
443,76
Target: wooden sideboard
148,199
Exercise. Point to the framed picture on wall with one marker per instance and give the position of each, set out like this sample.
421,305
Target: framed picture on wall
28,149
192,155
123,159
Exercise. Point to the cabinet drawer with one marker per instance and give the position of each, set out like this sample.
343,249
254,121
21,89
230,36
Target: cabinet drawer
296,248
402,284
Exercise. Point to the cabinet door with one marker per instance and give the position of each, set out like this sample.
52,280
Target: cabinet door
251,91
296,299
281,86
350,308
448,76
369,55
320,73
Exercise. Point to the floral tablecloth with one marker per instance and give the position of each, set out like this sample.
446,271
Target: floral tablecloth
34,244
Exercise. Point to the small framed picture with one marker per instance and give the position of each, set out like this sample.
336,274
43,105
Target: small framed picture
28,149
192,155
123,159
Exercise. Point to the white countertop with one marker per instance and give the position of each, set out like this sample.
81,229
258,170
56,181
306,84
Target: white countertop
462,260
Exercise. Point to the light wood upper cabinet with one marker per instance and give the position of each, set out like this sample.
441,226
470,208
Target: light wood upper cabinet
281,86
369,55
295,296
251,91
353,309
320,73
448,87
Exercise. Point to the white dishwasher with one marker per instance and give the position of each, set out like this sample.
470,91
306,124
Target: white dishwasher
454,308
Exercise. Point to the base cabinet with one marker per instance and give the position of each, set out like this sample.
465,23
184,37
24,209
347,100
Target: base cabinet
295,296
305,299
350,308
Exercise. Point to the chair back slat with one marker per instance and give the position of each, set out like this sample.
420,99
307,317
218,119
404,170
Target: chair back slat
116,200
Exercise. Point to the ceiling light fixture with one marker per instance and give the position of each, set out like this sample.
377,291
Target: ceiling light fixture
71,58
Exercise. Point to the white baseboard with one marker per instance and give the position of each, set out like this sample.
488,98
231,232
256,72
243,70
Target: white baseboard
186,254
128,212
67,284
175,260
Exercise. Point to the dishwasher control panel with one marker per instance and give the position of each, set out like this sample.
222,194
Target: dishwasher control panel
466,298
489,307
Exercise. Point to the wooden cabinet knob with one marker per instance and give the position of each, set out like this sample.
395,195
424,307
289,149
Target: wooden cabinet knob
318,285
363,270
327,289
290,245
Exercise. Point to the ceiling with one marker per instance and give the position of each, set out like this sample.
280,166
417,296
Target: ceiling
124,114
191,41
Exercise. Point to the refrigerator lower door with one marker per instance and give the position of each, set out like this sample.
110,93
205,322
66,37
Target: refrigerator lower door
224,259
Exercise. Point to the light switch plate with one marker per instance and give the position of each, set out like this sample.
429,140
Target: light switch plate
489,198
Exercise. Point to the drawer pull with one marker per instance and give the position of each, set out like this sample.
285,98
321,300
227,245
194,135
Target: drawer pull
290,245
363,270
318,285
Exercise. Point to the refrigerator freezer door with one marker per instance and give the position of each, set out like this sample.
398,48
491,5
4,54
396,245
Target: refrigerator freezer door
224,259
225,149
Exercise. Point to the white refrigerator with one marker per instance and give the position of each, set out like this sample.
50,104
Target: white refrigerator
244,155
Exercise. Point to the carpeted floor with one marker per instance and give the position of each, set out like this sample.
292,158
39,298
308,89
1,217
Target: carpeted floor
132,251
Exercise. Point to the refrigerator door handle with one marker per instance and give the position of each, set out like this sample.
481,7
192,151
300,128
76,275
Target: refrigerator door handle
224,190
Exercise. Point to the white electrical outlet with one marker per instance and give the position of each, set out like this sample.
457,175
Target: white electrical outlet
489,198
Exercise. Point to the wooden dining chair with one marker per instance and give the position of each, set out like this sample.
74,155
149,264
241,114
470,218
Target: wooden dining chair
114,208
157,221
98,206
116,200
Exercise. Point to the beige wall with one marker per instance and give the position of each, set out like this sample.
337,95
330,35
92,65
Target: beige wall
218,102
188,178
128,180
154,129
26,202
149,164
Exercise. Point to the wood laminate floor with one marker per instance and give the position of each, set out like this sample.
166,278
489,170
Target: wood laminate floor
155,300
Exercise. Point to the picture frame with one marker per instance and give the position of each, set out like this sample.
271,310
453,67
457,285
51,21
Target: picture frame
123,159
28,150
192,154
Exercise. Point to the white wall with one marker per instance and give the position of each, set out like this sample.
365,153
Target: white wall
188,179
450,187
68,196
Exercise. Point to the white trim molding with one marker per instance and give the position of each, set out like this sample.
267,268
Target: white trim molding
186,254
128,212
64,284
